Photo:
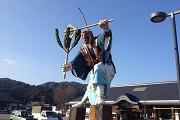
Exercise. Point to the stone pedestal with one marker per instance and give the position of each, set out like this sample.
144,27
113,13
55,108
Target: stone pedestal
100,112
77,114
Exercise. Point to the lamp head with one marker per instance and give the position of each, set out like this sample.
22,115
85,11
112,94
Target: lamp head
158,17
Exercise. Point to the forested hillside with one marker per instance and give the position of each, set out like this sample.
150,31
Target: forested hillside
44,93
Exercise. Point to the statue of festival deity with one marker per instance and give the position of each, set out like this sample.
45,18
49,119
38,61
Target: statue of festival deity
94,57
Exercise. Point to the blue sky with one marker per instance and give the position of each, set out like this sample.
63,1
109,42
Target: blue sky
142,51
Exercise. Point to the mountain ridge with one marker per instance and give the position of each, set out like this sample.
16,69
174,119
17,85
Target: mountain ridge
41,93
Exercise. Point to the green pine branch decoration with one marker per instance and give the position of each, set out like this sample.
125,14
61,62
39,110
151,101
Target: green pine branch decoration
67,42
58,39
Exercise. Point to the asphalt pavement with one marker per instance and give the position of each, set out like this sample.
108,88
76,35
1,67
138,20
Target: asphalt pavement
7,116
65,118
4,116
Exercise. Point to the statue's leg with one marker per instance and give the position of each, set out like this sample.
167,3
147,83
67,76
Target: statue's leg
80,104
99,83
100,95
103,75
87,94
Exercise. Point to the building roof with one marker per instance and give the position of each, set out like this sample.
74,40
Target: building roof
146,93
150,93
6,97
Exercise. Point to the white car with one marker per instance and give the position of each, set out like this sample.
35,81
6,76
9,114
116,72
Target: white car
49,115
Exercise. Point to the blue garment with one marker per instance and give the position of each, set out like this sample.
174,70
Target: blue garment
103,75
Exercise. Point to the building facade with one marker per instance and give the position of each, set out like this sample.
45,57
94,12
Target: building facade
158,100
7,103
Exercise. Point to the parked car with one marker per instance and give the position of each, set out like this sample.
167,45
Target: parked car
21,115
48,115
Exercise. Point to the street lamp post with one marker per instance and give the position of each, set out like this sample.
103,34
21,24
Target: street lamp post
159,17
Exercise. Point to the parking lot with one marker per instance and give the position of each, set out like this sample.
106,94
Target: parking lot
4,116
7,116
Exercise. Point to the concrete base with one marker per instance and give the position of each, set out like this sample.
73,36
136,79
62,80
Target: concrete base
100,112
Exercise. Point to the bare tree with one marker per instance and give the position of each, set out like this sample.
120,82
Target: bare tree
63,95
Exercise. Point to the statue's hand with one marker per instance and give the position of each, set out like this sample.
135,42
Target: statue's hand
104,24
66,67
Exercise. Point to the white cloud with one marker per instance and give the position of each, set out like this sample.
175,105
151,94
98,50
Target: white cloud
11,62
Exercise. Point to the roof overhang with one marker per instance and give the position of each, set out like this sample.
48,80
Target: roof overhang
160,102
121,99
125,98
